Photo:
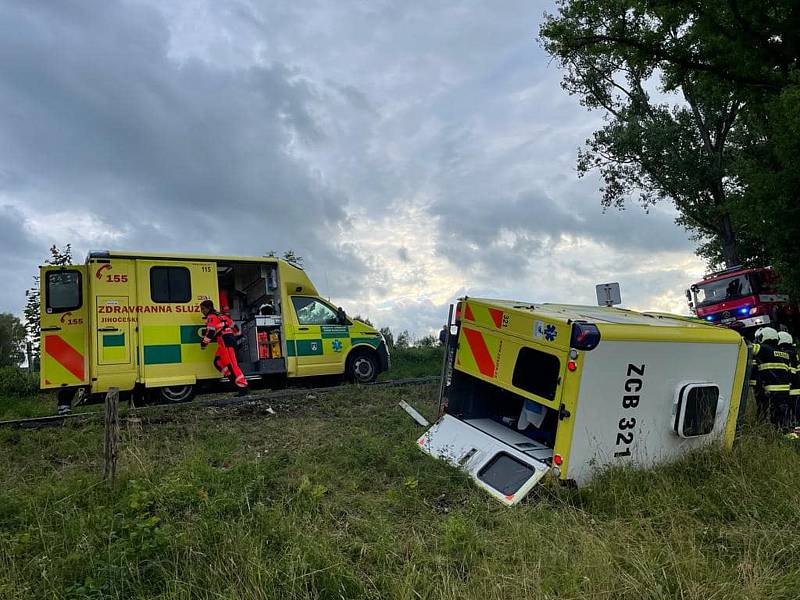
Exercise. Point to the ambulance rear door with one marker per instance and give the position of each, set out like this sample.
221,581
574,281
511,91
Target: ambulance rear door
507,472
64,326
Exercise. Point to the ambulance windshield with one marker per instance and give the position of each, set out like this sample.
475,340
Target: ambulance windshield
730,288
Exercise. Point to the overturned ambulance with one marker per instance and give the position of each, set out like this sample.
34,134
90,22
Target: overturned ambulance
529,389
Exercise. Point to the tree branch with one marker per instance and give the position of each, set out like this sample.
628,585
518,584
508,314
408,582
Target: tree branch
661,54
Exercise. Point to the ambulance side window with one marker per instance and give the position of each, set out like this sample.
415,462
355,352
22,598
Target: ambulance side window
63,291
170,285
537,372
311,311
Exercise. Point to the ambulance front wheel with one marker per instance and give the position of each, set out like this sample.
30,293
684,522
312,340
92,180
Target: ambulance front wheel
175,393
362,367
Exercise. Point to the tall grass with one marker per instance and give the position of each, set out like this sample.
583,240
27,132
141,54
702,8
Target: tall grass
414,362
330,498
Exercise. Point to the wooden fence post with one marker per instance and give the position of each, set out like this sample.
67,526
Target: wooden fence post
112,435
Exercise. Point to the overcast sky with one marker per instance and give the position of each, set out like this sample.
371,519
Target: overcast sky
410,151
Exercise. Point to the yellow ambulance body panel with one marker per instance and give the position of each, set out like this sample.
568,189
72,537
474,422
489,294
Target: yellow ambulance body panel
572,389
128,319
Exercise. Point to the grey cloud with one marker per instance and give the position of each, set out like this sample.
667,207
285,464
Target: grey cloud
20,252
472,229
241,126
106,121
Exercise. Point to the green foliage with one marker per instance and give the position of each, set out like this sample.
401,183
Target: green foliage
58,257
415,361
769,170
364,320
428,341
18,383
403,340
12,340
677,148
333,499
388,337
289,256
722,143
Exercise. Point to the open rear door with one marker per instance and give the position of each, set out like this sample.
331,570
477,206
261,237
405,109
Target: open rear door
505,472
64,326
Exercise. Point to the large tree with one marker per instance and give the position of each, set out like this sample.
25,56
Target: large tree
717,139
12,340
668,131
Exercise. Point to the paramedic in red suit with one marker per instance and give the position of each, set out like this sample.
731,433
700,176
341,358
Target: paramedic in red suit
219,328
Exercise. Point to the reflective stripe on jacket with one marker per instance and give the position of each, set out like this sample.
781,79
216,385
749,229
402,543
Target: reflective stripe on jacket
774,367
794,372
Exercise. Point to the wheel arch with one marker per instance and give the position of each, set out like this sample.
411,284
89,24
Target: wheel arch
359,349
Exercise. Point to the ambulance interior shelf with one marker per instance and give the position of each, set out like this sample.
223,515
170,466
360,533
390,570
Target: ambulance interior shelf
249,292
504,415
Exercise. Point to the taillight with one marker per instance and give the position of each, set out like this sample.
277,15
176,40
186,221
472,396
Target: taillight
585,336
572,365
458,311
557,460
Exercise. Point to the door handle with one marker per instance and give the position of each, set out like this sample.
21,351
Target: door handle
302,329
50,329
108,329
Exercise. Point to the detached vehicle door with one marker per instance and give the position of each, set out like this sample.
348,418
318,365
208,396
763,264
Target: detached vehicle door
505,471
64,326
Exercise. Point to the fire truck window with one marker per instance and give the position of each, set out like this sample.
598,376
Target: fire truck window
170,284
63,291
311,311
537,372
723,289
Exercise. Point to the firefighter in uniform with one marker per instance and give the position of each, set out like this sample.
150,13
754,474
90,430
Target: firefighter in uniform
774,373
755,382
786,344
220,328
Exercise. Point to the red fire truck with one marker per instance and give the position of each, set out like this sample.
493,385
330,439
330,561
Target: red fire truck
744,299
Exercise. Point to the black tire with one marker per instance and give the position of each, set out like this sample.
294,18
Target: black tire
174,394
362,367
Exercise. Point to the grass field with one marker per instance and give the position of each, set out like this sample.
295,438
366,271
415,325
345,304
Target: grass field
330,498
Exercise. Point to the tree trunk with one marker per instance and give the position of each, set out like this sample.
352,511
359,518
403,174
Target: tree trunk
730,249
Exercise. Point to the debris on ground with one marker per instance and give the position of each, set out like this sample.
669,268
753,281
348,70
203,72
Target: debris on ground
413,413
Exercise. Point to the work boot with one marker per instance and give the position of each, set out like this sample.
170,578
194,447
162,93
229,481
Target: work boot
64,409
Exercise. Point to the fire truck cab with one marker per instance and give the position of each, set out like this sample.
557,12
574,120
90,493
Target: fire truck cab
743,299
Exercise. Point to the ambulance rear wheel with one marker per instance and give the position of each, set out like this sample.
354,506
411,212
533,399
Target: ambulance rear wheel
362,367
175,393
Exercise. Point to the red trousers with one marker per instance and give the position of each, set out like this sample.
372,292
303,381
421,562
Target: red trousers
225,360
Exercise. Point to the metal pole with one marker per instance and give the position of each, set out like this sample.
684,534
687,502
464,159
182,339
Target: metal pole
445,360
112,435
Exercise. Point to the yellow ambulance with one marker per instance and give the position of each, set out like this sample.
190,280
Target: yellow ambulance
530,389
132,320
